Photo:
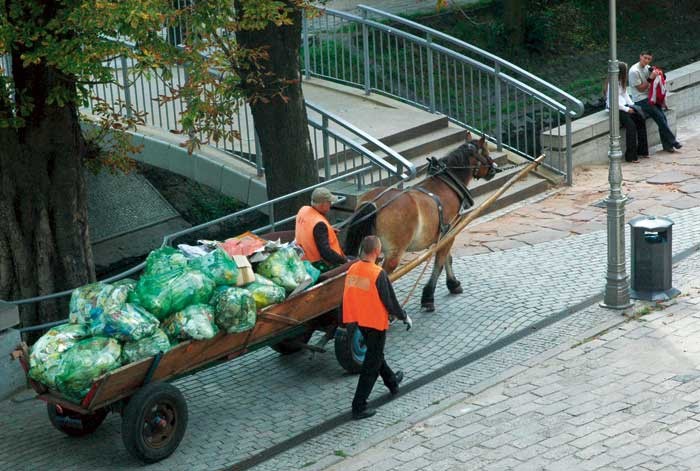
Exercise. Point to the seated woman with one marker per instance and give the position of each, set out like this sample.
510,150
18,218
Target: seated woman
630,119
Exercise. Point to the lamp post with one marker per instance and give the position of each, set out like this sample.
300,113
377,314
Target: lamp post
617,292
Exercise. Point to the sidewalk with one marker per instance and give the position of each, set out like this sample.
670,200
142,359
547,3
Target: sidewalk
625,399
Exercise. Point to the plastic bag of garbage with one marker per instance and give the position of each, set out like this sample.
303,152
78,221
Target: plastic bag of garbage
90,300
313,272
218,266
146,347
163,260
127,324
46,352
194,322
265,292
284,268
170,292
234,310
84,362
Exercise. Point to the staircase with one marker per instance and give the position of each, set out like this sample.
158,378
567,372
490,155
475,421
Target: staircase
436,138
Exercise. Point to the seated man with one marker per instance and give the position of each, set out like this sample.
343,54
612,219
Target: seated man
315,235
640,79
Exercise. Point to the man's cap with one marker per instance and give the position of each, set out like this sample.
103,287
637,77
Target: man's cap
323,195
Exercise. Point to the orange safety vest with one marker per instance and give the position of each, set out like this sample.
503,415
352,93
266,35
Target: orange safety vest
361,301
307,218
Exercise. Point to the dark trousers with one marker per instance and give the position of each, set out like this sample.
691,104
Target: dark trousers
655,113
635,135
373,366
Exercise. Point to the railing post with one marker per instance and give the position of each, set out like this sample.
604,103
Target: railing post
305,38
326,146
569,156
127,92
431,78
258,156
499,108
272,216
365,48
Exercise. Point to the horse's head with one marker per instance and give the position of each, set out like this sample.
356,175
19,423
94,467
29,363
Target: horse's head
473,155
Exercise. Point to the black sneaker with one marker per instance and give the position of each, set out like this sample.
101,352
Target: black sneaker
363,414
670,150
394,390
677,145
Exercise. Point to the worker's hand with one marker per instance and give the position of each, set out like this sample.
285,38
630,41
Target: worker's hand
408,322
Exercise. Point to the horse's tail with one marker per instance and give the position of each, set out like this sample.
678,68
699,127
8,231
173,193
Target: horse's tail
361,224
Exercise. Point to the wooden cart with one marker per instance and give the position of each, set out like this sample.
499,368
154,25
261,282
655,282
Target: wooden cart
154,412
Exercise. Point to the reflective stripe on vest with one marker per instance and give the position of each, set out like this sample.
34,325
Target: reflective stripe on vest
307,218
361,301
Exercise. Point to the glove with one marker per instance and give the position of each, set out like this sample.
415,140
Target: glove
408,322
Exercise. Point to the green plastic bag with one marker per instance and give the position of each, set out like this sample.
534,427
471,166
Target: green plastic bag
146,347
218,266
163,260
93,299
127,324
46,353
234,310
265,293
86,361
170,292
194,322
284,268
313,272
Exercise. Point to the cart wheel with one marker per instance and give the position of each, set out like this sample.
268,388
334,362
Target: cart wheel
291,345
350,348
75,424
154,422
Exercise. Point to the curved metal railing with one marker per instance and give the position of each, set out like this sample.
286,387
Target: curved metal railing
438,73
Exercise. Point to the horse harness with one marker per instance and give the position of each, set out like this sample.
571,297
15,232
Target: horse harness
443,173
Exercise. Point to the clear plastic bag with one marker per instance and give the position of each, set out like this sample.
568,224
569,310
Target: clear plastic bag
194,322
146,347
127,324
84,362
234,310
46,352
218,266
265,292
91,300
284,268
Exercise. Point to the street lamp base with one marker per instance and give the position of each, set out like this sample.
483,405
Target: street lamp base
617,307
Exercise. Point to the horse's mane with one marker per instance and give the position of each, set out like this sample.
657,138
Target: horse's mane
459,157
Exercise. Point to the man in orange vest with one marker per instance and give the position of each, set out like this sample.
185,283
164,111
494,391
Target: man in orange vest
369,300
315,235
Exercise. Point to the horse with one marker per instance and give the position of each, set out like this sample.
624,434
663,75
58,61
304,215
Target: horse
414,218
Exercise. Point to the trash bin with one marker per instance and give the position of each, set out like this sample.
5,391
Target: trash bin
652,258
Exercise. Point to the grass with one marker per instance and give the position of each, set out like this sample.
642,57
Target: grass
340,453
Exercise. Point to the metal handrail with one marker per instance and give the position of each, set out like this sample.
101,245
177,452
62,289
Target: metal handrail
167,239
577,107
483,93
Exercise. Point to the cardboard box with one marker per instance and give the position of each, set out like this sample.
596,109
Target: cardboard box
245,270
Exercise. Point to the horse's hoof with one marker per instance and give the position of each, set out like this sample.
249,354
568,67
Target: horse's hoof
455,288
428,307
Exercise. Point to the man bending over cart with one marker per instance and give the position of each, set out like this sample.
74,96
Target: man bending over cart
315,235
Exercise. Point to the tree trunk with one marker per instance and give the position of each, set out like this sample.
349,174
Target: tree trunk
44,240
281,122
514,16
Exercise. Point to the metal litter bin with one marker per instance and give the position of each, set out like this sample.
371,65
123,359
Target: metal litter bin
652,258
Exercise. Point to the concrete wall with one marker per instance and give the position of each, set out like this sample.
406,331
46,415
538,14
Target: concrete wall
589,134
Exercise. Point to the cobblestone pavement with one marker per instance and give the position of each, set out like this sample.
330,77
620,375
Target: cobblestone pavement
624,399
663,184
240,408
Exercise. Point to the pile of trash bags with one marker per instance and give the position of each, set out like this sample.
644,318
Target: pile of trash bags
188,294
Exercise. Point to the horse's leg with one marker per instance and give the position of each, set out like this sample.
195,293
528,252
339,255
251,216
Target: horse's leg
427,300
453,284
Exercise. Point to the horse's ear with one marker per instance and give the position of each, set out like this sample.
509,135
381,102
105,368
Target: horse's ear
468,137
482,142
